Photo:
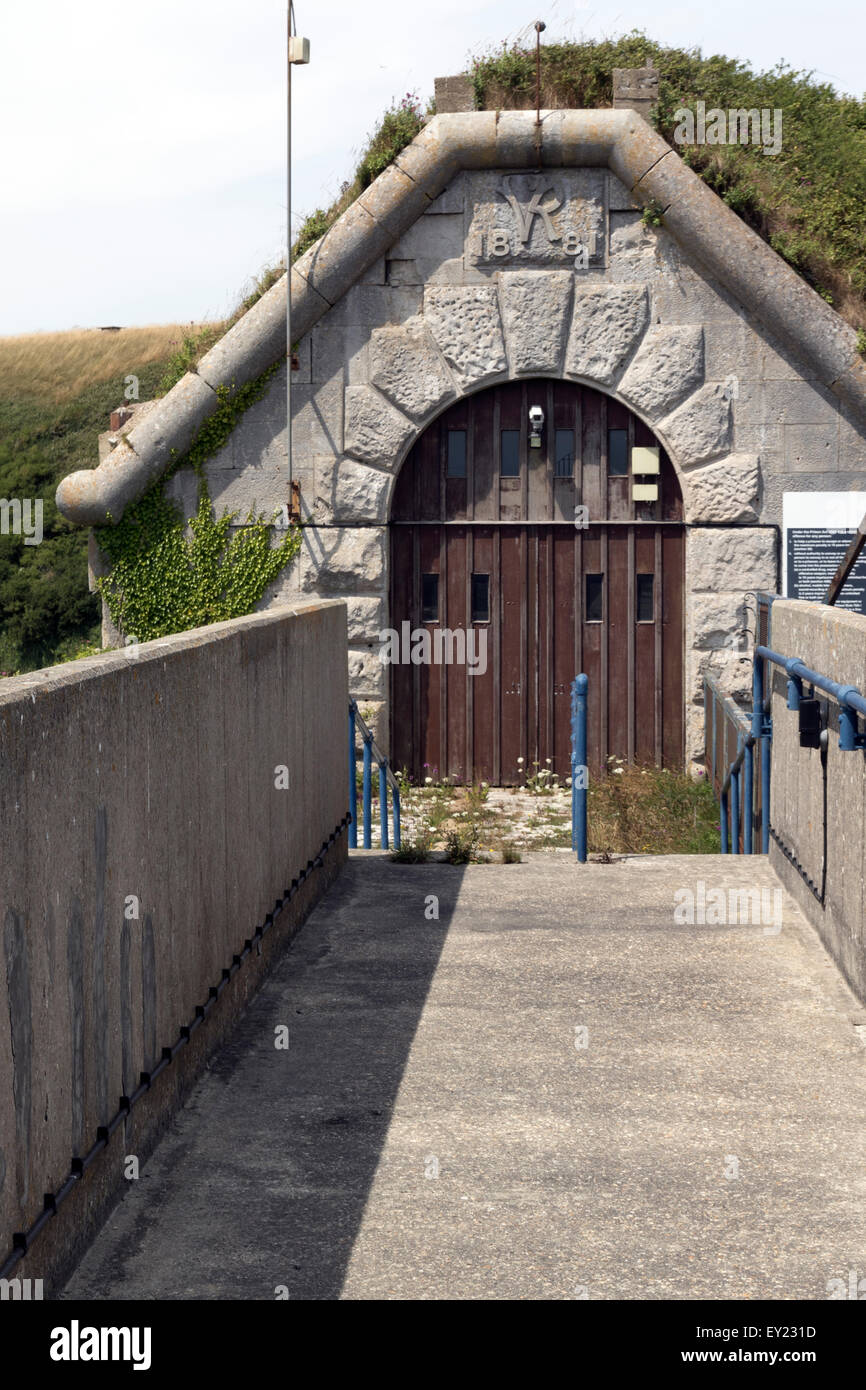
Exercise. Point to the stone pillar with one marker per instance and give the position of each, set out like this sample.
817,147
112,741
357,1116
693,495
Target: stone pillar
725,565
454,93
635,89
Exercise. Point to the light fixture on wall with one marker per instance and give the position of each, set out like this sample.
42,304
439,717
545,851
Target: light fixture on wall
536,425
644,462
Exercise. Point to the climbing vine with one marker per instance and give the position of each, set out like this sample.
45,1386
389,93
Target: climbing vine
162,581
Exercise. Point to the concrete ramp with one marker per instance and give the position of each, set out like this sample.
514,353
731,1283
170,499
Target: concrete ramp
554,1091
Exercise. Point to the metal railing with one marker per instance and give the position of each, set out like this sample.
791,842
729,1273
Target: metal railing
732,737
744,801
370,750
850,700
737,753
579,688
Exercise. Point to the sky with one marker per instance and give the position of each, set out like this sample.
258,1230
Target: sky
143,150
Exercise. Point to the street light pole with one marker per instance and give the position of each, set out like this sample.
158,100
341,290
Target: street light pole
297,51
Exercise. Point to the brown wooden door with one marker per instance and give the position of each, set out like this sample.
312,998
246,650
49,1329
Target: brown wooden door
484,541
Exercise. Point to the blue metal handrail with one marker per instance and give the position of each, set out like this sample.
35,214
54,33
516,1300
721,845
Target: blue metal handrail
579,688
738,782
387,779
759,731
850,700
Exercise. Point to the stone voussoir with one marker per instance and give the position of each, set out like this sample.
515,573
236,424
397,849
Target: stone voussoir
465,322
374,432
745,267
360,493
668,366
536,308
406,367
722,492
608,322
700,429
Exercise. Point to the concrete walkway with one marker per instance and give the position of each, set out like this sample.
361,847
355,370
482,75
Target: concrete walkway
434,1132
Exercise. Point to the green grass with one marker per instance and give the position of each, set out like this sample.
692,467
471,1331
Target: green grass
651,811
397,129
47,613
631,810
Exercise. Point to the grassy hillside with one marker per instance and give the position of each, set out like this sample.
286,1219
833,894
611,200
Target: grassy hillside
56,393
57,367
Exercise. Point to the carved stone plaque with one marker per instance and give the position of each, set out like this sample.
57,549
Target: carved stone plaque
556,218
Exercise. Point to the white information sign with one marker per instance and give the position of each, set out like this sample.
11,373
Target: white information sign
817,529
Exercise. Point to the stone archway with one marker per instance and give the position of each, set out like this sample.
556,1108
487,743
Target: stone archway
517,565
550,323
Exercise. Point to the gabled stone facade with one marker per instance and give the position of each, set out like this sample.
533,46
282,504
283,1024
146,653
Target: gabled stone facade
494,250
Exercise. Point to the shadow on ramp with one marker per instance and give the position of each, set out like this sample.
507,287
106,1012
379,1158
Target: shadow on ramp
258,1190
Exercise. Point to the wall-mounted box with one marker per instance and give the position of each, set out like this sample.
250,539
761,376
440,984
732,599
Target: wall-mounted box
645,492
645,459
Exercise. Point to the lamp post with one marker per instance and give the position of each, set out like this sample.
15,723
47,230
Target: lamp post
298,51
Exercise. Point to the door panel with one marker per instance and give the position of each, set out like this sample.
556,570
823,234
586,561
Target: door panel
516,535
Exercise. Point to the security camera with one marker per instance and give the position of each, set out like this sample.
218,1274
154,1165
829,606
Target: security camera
536,424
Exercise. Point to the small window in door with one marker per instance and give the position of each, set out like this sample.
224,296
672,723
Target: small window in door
509,453
564,460
429,598
456,461
594,606
481,598
645,605
617,453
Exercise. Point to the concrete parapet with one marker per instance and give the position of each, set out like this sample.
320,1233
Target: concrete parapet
818,804
146,830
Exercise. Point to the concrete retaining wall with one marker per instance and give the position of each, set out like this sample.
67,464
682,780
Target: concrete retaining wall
832,642
143,837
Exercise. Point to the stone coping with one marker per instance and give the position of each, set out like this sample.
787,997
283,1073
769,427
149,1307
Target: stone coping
619,140
32,684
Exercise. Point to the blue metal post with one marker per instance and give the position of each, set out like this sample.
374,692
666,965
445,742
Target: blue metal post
765,761
847,729
760,732
353,786
578,766
395,805
747,800
735,812
723,821
383,803
368,789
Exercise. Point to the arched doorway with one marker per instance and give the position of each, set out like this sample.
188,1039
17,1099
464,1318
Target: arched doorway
544,555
